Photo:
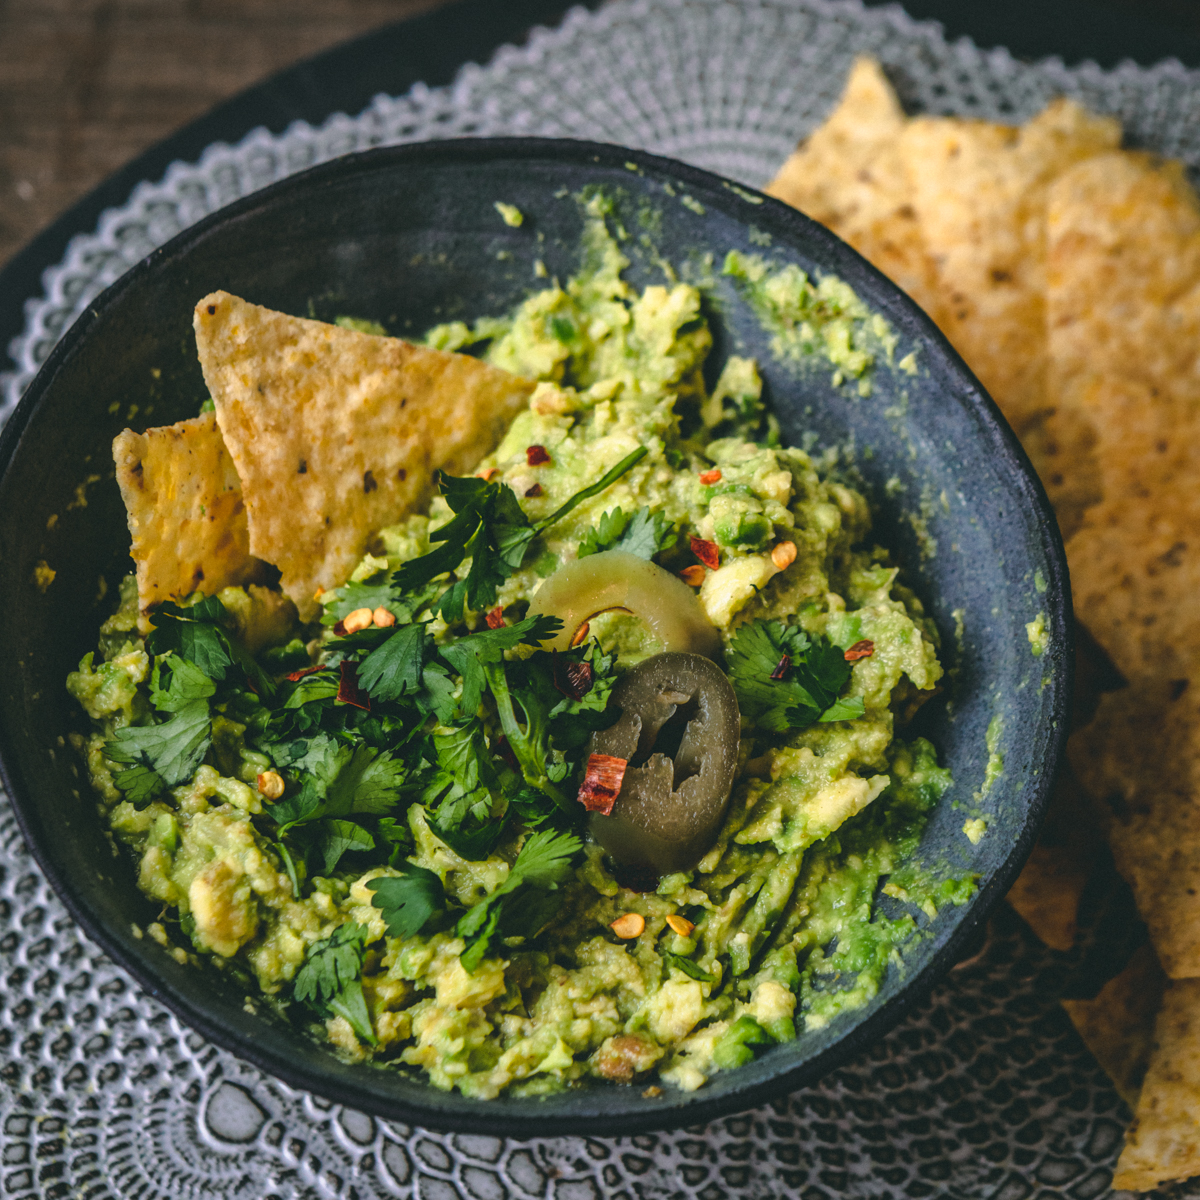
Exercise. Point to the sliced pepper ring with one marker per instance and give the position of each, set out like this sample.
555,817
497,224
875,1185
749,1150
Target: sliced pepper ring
616,579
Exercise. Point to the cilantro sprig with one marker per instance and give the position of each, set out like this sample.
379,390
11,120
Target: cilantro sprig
409,900
524,903
642,533
784,679
330,979
489,527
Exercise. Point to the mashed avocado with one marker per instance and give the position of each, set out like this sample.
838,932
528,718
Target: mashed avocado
377,821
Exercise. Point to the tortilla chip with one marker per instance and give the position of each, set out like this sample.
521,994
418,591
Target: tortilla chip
1123,311
1123,306
980,191
1164,1142
1047,892
1117,1026
186,515
849,176
1123,262
1140,757
337,434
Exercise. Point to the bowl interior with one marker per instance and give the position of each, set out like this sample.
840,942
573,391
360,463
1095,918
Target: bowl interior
410,237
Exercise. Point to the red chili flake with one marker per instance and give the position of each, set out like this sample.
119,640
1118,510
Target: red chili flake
710,477
693,576
602,783
252,685
781,667
536,490
863,649
495,619
575,679
339,630
536,455
348,690
300,674
581,634
706,552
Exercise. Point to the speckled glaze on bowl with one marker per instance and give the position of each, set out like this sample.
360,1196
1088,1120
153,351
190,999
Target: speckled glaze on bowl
409,236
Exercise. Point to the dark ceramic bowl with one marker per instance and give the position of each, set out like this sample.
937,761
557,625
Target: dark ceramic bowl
409,236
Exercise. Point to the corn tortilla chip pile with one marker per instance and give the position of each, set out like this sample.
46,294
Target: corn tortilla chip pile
849,175
1067,273
185,508
336,434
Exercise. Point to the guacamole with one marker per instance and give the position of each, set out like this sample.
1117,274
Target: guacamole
381,822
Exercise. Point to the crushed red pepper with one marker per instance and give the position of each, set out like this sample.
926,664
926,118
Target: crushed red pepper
706,552
535,456
863,649
348,690
602,783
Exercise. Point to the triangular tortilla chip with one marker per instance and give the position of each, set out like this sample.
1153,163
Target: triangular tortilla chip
337,434
1124,320
1164,1143
1140,756
186,515
1118,1023
849,176
979,191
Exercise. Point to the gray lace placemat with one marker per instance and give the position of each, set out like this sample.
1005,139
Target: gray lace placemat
986,1092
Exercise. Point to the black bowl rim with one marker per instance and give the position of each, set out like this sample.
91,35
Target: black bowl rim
488,1117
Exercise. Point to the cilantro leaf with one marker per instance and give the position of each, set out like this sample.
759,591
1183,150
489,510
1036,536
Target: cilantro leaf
469,655
340,781
193,633
520,906
338,836
544,860
491,529
196,633
320,685
394,668
408,900
139,783
351,1004
331,964
184,682
644,534
173,749
605,534
368,782
811,673
329,979
846,709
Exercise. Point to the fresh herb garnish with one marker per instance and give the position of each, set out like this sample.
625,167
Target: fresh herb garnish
489,527
197,634
329,980
407,901
523,904
162,756
781,695
644,534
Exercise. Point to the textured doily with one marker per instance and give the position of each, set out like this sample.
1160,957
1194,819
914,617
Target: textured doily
987,1092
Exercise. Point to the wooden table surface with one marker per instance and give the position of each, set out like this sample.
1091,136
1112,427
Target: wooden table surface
85,85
